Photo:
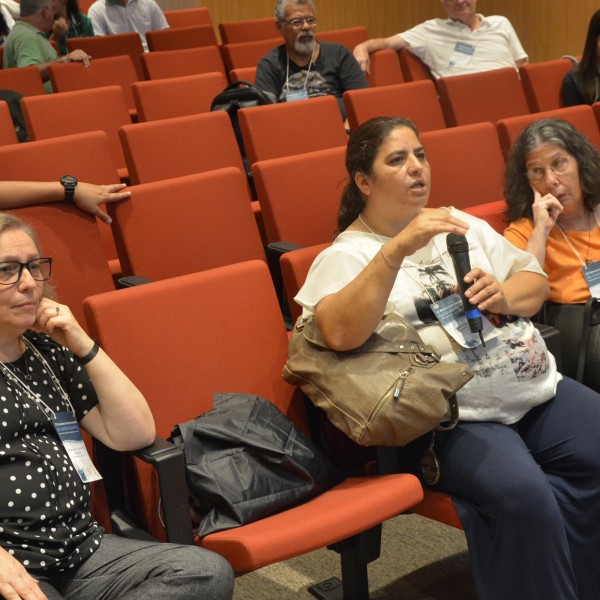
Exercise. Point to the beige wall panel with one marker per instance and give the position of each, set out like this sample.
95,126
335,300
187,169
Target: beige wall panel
547,28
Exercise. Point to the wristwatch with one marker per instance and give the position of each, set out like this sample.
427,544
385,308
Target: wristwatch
69,183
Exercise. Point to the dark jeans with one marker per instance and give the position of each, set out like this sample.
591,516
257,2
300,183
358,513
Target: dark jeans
123,569
528,496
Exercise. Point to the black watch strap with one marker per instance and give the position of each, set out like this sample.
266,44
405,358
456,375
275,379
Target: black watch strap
69,183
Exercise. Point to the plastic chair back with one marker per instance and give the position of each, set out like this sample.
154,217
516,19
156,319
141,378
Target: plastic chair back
248,30
177,63
188,17
25,80
542,82
416,100
385,69
181,37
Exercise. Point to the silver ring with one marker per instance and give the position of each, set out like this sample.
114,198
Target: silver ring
57,310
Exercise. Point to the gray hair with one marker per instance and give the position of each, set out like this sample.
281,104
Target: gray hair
281,4
30,8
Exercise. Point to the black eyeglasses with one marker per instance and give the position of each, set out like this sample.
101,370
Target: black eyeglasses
11,270
297,23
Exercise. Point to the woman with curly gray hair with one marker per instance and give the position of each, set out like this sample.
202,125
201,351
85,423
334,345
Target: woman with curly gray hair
552,189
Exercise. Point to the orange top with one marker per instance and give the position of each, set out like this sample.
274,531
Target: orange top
562,265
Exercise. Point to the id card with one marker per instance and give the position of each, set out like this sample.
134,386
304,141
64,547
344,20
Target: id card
296,95
69,433
450,312
462,54
591,272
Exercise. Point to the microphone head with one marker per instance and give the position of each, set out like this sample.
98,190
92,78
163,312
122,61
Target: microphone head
456,243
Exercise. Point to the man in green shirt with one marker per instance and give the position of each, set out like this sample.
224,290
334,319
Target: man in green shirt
27,44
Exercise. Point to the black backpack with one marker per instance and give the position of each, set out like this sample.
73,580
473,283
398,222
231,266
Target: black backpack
239,94
13,99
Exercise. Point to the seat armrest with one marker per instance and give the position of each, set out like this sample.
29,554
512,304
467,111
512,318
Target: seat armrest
169,464
132,280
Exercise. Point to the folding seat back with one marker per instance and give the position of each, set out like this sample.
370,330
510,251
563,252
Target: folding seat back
466,165
248,30
180,146
349,37
177,63
542,82
487,96
294,269
385,69
187,224
177,96
582,117
8,134
413,68
300,195
113,70
102,46
243,74
416,100
247,54
188,17
219,348
275,130
181,37
87,157
25,80
56,115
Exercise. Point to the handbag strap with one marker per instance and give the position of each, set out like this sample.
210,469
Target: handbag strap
585,337
451,423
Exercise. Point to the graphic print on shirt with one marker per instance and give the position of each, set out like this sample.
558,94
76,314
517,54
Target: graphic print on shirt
315,86
516,350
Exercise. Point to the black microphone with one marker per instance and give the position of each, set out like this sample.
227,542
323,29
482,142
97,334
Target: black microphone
458,247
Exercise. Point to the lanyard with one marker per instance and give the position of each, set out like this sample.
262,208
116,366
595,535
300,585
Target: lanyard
287,71
581,260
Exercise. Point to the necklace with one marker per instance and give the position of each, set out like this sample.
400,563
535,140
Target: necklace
379,237
25,374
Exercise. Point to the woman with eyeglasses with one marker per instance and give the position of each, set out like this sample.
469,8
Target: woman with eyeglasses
552,191
53,379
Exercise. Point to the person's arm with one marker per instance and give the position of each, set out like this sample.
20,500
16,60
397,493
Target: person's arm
521,295
348,317
362,51
75,56
522,62
15,581
157,17
88,197
122,419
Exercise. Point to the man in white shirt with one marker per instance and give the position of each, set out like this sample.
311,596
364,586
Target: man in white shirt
465,42
123,16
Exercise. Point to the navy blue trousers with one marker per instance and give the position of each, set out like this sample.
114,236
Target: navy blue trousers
528,496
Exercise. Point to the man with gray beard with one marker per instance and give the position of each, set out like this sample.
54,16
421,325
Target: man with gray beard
303,67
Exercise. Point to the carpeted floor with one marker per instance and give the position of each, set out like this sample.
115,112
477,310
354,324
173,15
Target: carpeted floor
420,560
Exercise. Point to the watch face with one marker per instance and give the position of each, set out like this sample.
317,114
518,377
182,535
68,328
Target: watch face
68,180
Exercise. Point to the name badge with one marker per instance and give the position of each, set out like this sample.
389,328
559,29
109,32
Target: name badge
450,312
591,272
296,95
462,54
68,431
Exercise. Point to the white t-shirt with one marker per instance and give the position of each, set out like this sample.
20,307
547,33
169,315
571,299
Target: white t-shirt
109,17
493,45
513,373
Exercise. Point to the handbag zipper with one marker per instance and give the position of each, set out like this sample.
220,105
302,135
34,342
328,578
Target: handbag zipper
402,379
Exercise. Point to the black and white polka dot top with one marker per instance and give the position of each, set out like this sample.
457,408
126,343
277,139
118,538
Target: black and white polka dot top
45,519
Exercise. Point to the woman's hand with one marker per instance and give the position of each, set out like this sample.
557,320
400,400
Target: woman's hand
88,197
58,322
486,293
428,223
546,210
59,28
15,582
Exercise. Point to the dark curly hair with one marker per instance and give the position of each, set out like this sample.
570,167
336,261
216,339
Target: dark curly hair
363,145
517,189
